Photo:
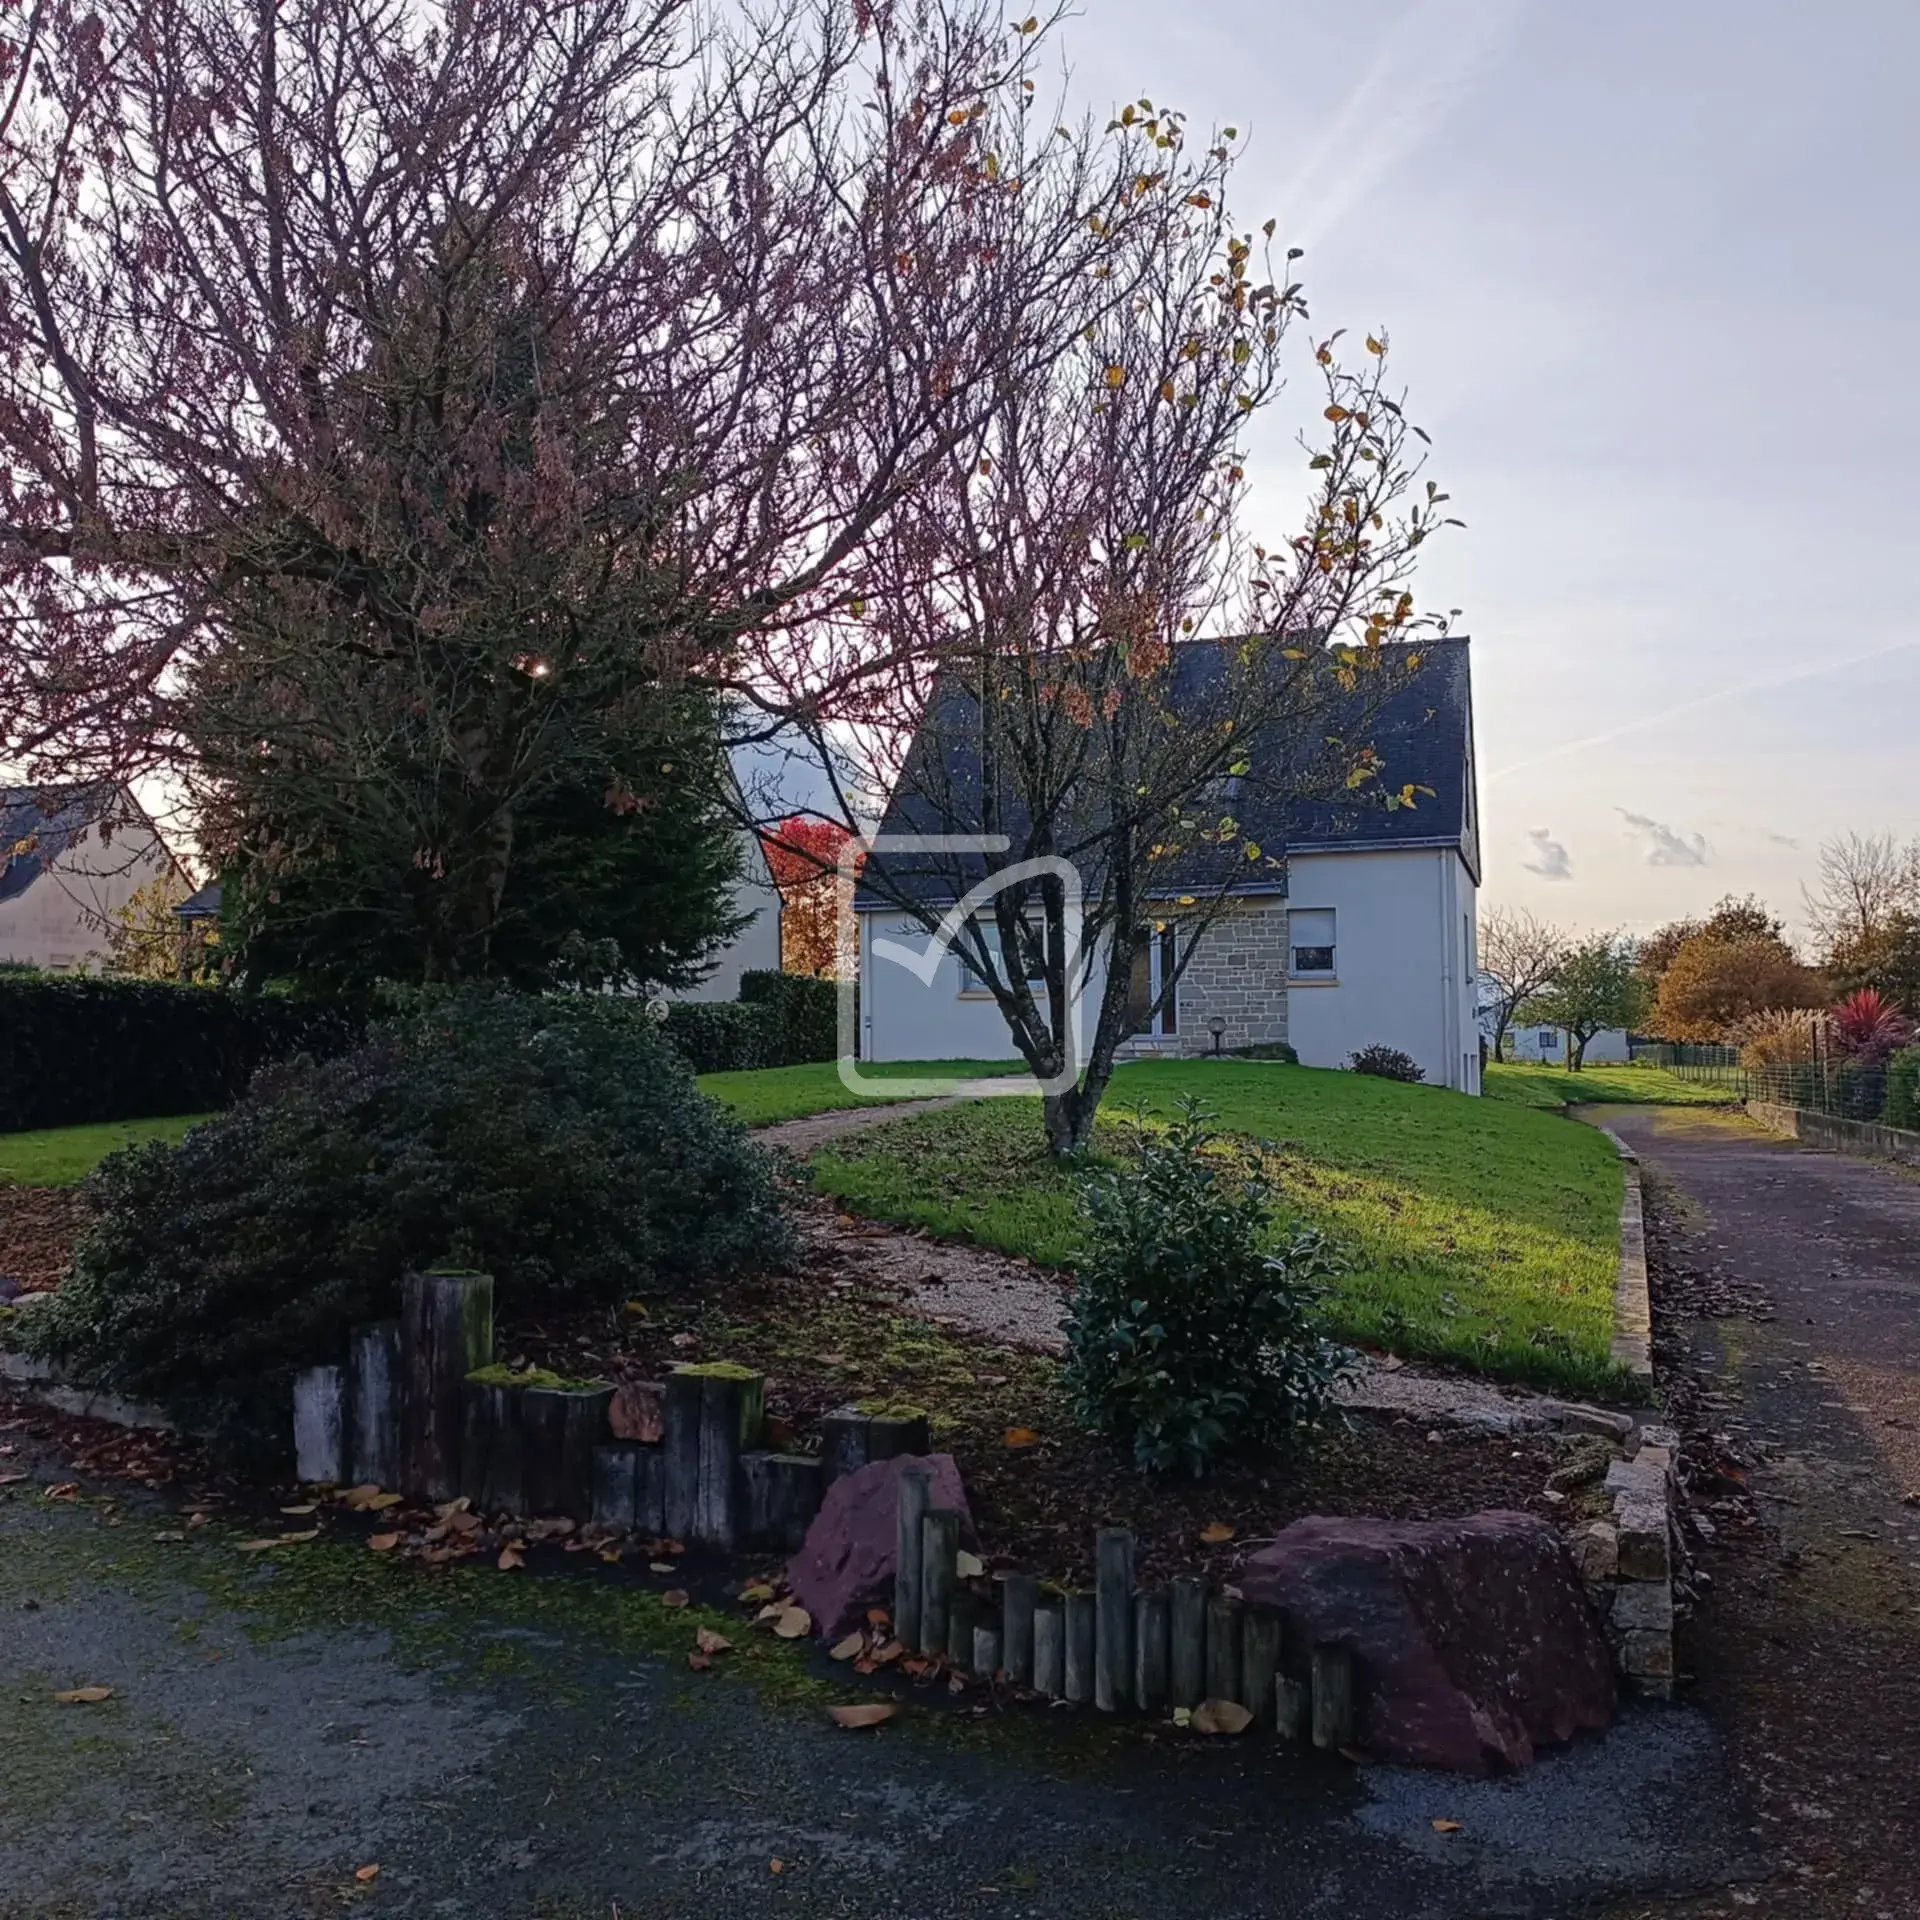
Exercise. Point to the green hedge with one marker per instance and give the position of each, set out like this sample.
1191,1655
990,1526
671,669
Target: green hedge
74,1051
721,1036
1903,1089
806,1012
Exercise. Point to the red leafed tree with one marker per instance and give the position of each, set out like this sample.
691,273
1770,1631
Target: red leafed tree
804,853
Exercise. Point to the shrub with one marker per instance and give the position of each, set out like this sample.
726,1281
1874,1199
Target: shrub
1187,1337
1387,1063
1785,1036
74,1051
1867,1026
720,1036
805,1012
1264,1050
559,1144
1902,1107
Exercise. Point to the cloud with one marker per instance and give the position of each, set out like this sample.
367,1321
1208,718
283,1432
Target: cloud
1426,65
1663,847
1784,840
1551,860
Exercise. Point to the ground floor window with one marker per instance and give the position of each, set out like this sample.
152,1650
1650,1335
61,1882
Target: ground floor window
1155,969
1310,941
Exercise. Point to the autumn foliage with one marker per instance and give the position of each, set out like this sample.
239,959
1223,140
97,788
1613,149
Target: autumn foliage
1711,988
803,853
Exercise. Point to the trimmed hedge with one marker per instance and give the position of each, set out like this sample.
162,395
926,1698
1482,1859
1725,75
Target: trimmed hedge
720,1036
75,1051
806,1013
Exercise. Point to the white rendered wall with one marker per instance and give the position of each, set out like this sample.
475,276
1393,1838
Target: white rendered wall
65,917
756,947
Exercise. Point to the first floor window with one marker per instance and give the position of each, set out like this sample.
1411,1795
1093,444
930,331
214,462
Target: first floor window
972,980
1310,938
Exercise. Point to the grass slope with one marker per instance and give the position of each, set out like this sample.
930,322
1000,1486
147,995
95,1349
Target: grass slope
768,1094
1536,1086
60,1156
1471,1230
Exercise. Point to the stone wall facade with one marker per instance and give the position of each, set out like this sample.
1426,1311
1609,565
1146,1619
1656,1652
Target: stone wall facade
1239,972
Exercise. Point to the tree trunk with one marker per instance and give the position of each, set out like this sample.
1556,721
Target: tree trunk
1579,1056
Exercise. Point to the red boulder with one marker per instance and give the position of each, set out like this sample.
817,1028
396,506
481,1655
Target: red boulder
1473,1639
847,1562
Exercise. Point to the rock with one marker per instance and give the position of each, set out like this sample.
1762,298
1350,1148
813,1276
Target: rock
1576,1417
1645,1553
1474,1639
639,1411
846,1564
1596,1550
10,1288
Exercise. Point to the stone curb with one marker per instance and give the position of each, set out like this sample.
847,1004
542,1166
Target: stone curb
37,1381
1632,1304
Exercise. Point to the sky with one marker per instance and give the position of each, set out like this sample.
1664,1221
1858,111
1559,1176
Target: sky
1650,273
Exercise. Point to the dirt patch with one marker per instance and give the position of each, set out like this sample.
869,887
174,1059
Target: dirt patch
38,1226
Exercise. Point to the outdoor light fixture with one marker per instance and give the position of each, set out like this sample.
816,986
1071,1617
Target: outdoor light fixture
1218,1028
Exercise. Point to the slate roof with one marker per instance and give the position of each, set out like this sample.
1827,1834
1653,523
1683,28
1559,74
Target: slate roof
38,825
1422,733
204,905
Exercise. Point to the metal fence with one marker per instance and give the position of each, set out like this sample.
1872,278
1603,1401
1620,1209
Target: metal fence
1845,1089
1706,1065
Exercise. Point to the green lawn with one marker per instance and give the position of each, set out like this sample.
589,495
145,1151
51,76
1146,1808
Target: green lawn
789,1093
58,1156
1471,1230
1534,1086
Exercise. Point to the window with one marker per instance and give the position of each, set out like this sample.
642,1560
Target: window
971,979
1155,962
1549,1040
1310,941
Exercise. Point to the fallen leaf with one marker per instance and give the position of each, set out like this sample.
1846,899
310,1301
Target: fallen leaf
383,1542
793,1622
11,1479
638,1308
659,1566
879,1617
369,1499
676,1597
1446,1826
1183,1716
710,1642
66,1490
255,1546
884,1656
366,1875
699,1662
83,1696
759,1590
1221,1716
1022,1437
310,1507
510,1557
846,1649
968,1566
170,1535
869,1713
776,1866
1214,1532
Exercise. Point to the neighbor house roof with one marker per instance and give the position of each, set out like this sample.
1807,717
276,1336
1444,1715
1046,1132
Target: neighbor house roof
38,825
1422,733
204,905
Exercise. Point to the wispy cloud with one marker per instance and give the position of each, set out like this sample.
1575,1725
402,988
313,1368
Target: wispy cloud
1662,846
1426,65
1784,840
1550,861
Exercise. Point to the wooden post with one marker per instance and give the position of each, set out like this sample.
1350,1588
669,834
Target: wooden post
650,1492
913,1487
1049,1650
1113,1609
446,1333
1223,1648
373,1363
1151,1650
780,1494
844,1439
986,1650
732,1411
491,1450
616,1472
1019,1595
559,1429
1259,1662
889,1435
1187,1615
962,1616
1290,1708
1332,1697
681,1463
939,1544
1080,1647
320,1425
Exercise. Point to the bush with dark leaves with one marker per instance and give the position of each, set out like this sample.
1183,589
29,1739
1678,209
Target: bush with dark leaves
1189,1335
1387,1063
559,1144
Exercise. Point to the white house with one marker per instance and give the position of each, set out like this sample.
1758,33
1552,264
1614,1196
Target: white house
70,859
1549,1045
1365,937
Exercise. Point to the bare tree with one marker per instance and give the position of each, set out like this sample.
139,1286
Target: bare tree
1066,644
1864,879
1522,957
764,254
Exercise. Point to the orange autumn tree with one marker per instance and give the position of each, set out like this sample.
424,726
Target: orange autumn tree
804,855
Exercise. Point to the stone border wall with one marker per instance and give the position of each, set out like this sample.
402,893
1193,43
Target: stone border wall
1632,1301
1627,1558
1866,1138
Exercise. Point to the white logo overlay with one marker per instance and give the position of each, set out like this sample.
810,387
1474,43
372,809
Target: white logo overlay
924,961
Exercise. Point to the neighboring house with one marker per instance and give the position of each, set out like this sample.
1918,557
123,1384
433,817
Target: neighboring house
1365,936
757,945
70,859
1538,1044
